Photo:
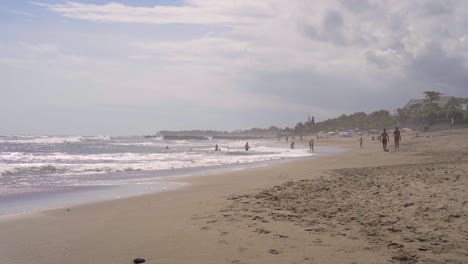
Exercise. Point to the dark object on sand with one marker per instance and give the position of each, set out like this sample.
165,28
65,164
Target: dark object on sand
139,260
273,251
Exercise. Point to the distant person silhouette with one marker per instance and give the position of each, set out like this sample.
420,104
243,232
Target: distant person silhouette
360,142
384,138
311,145
216,147
247,147
397,138
292,145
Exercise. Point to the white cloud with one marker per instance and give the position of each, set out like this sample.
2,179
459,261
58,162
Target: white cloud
195,11
296,55
333,37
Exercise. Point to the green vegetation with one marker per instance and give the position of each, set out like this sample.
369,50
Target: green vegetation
421,114
432,96
431,111
426,114
375,120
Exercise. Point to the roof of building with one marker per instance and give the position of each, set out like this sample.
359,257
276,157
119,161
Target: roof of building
418,103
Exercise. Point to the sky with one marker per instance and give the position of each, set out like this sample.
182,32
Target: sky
134,67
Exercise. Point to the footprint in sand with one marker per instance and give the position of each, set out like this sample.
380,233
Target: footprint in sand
236,261
281,236
273,251
242,249
262,231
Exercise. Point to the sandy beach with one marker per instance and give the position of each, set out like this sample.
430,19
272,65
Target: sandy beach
361,206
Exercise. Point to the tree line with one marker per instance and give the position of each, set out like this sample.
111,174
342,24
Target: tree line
425,115
360,120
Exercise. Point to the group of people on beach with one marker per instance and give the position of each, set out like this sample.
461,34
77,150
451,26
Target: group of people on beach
385,138
247,147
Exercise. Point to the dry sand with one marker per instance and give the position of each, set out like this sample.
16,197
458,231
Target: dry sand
362,206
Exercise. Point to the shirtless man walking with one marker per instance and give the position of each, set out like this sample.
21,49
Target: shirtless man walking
397,138
384,138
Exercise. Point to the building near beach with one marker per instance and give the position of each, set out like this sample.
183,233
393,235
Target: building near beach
443,102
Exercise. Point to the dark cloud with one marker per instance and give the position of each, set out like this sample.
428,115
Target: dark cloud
373,58
356,5
310,31
333,28
436,7
330,30
439,70
319,91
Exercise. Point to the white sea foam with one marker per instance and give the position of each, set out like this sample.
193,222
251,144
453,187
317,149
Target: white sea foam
40,139
100,137
41,162
48,164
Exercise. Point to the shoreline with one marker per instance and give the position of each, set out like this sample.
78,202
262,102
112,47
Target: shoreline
144,185
189,225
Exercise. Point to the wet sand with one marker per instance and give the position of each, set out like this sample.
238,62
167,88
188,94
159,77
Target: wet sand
362,206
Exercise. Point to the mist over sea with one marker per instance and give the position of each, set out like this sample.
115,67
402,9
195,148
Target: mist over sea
41,167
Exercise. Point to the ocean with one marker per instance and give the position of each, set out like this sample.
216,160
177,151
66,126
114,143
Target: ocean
40,172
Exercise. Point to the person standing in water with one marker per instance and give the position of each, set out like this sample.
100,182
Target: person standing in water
311,145
247,146
292,145
216,147
384,138
397,138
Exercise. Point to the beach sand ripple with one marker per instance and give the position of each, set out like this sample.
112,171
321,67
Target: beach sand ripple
417,212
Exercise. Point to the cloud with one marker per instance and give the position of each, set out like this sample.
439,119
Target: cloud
322,57
439,69
436,7
332,25
193,12
329,30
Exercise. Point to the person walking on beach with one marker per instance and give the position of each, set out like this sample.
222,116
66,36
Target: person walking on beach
311,145
247,146
384,138
360,142
397,138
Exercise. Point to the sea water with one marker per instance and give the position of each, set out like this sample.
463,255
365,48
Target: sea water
38,172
